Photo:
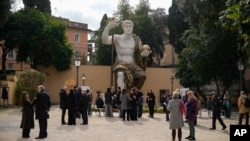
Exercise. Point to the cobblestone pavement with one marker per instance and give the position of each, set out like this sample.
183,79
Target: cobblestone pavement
101,128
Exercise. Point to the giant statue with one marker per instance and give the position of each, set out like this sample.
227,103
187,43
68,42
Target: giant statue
131,60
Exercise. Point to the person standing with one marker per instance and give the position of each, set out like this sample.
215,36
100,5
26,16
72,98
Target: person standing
5,96
63,103
150,99
133,112
84,101
118,102
78,94
72,109
108,103
27,122
125,104
168,98
42,102
99,102
191,108
216,108
209,106
139,103
198,107
176,119
227,104
243,111
90,98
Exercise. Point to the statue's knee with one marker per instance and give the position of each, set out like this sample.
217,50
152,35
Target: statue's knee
120,75
140,76
144,77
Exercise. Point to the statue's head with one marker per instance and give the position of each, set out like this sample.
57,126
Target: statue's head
127,22
127,27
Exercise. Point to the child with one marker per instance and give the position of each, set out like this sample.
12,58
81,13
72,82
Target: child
27,115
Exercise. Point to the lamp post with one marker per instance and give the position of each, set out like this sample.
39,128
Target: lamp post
172,82
77,64
241,68
83,78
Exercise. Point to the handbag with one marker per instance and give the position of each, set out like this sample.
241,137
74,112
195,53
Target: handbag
182,107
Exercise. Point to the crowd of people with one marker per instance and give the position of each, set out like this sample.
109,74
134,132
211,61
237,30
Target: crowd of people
179,109
129,103
215,105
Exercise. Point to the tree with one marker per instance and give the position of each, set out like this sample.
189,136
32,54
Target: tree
177,26
211,49
44,6
188,77
41,5
38,39
5,6
236,18
103,54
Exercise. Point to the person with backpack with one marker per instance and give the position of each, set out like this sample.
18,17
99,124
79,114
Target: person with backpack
243,107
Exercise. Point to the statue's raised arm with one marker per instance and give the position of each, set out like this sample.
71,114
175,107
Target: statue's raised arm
106,38
131,58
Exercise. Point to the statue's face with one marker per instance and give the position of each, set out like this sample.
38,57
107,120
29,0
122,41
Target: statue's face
128,28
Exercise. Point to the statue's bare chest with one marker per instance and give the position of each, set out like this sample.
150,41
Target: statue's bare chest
126,43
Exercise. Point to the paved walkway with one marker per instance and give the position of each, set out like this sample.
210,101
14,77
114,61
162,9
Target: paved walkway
101,128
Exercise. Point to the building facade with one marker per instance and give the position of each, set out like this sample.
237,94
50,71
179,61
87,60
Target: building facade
77,34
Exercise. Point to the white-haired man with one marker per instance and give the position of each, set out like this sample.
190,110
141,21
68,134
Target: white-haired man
42,102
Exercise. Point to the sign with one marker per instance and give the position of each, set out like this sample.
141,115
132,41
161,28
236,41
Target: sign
183,91
239,132
85,87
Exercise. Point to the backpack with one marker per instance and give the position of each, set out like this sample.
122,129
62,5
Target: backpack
247,102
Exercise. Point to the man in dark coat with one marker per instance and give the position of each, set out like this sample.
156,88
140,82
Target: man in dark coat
84,101
150,99
108,103
63,103
72,109
139,102
42,108
118,101
78,94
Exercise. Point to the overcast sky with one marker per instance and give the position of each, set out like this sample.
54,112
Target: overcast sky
92,11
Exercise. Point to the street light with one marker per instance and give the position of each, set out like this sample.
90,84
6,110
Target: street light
241,68
83,78
172,82
77,64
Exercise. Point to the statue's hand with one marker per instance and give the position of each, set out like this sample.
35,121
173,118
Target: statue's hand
113,24
145,50
145,53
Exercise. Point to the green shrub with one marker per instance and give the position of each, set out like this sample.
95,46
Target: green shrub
29,81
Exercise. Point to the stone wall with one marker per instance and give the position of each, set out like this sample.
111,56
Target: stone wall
99,78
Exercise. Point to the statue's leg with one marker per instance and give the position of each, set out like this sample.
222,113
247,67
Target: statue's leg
139,78
120,80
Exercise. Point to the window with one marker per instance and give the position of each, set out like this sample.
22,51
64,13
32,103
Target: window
77,37
10,66
11,54
77,54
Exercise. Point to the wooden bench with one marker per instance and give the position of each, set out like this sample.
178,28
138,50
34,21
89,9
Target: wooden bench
99,110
